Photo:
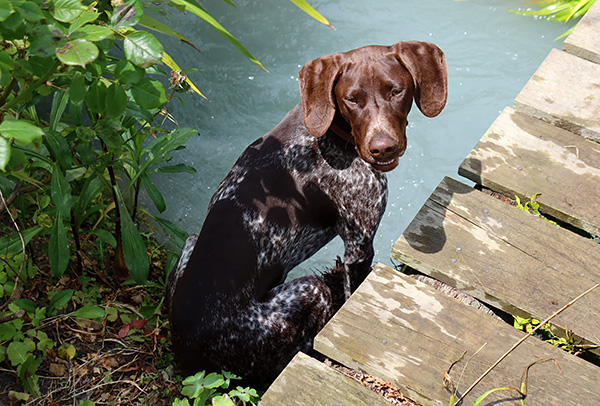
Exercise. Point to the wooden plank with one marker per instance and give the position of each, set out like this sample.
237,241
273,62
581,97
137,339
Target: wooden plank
584,41
565,91
504,257
403,331
306,381
521,155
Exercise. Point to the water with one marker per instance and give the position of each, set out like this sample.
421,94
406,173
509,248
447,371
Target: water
490,52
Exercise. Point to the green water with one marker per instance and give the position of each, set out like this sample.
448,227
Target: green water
490,52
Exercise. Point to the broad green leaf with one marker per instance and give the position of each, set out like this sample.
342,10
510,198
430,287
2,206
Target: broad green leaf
59,251
6,9
4,153
95,97
128,73
60,190
222,400
30,11
154,193
7,331
66,10
307,8
21,130
26,304
134,248
77,89
177,168
195,8
77,52
11,244
60,299
27,373
93,33
127,14
167,60
44,38
6,62
116,100
213,380
18,352
142,49
149,94
67,351
89,312
86,17
105,237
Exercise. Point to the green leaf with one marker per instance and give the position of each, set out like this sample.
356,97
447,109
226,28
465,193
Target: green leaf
142,49
59,105
171,230
93,33
59,251
177,168
154,193
7,331
77,52
60,299
26,304
6,9
89,312
222,400
21,130
4,153
127,14
84,18
105,237
66,10
213,380
60,190
89,191
128,73
67,351
195,8
156,25
116,100
134,248
307,8
30,11
77,89
6,62
18,352
11,244
95,97
149,94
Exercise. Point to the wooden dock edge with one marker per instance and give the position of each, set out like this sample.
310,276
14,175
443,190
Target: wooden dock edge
308,382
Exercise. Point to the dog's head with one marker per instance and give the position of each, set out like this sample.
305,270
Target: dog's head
373,88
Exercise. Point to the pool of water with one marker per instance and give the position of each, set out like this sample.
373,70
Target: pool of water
491,54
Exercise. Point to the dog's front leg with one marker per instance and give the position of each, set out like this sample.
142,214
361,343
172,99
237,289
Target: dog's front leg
357,265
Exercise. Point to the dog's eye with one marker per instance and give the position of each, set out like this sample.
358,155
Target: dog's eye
397,92
351,100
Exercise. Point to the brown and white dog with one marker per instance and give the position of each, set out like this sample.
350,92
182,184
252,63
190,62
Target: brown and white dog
318,174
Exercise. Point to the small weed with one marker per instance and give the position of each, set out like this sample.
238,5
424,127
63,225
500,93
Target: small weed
533,207
201,388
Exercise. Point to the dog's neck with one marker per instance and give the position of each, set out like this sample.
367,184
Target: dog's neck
341,128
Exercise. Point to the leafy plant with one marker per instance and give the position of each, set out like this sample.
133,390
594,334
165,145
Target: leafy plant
533,207
560,10
202,388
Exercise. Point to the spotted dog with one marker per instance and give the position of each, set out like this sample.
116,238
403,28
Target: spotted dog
318,174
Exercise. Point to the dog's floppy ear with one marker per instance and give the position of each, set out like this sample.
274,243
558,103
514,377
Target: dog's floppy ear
317,79
427,65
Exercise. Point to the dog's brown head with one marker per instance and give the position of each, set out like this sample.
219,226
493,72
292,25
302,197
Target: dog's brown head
373,88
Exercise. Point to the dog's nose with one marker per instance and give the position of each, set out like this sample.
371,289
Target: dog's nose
382,147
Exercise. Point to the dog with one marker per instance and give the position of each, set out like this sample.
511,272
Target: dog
318,174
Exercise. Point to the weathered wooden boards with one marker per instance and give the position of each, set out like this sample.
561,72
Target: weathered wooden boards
308,382
401,330
584,41
521,155
505,257
565,91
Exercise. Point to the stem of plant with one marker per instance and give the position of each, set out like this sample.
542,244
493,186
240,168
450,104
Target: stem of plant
523,339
